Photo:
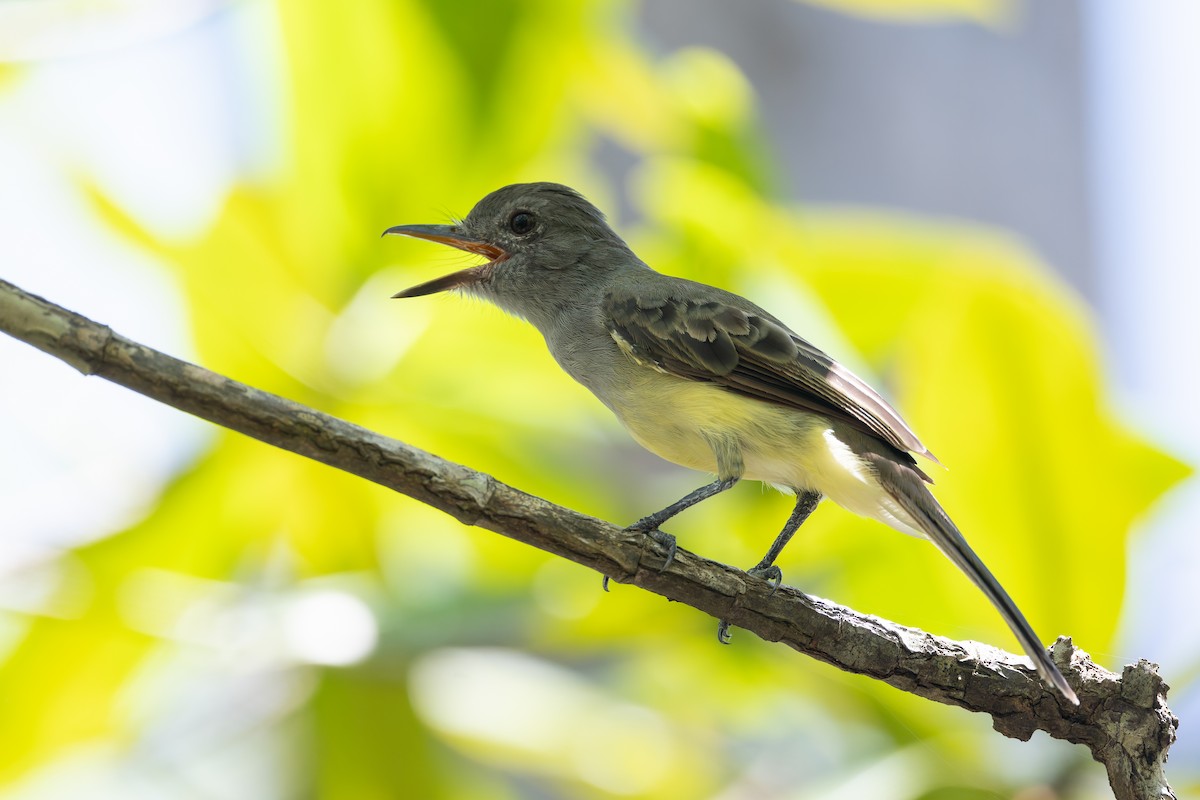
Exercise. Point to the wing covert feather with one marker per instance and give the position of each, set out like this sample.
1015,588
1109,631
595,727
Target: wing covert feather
749,352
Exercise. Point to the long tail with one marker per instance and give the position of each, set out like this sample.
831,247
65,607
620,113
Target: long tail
906,488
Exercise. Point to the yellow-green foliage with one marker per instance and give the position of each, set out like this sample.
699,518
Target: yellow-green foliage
406,111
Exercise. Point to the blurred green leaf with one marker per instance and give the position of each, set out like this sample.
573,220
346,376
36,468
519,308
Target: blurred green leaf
368,742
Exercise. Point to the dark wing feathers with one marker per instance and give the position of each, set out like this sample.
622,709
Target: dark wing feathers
752,354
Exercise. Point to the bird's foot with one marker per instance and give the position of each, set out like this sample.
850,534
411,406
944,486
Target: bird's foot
664,540
769,573
667,542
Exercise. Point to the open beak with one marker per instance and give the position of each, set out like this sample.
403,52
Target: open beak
453,236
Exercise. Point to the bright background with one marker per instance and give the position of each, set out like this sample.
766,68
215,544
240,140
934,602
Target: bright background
1008,250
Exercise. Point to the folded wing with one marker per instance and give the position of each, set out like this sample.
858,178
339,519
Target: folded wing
752,354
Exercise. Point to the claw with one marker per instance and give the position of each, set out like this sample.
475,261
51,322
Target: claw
664,540
771,574
667,542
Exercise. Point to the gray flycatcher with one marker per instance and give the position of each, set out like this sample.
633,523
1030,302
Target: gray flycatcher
704,378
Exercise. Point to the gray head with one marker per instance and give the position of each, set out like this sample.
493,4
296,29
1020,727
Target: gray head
544,242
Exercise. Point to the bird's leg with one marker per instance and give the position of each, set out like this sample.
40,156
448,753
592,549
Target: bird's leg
649,524
806,503
727,451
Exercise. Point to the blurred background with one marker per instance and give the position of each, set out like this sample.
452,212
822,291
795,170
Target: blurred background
985,207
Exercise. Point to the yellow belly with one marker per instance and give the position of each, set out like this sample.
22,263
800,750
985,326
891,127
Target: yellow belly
790,449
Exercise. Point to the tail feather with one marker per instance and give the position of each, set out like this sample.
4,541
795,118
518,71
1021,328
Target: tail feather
907,489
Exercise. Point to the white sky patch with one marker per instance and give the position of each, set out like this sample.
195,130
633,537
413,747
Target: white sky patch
82,457
60,29
1144,123
162,126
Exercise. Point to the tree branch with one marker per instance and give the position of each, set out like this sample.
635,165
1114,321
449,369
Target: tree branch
1123,720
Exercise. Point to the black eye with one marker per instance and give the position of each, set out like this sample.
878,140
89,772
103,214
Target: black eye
521,222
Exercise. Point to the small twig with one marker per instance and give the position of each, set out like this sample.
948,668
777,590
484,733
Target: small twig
1122,719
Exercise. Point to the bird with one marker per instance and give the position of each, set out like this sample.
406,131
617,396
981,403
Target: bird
705,378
